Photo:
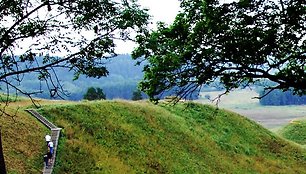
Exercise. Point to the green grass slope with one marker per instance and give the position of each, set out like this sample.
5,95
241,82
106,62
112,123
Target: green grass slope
139,137
23,141
295,131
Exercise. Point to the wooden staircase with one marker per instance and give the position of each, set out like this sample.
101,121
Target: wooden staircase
55,133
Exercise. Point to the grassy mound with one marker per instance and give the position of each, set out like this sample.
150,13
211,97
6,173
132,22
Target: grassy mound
139,137
295,131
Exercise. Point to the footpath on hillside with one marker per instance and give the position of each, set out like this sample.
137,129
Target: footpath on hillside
55,133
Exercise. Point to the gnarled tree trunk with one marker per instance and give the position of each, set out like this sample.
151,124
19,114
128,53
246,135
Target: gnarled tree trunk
2,162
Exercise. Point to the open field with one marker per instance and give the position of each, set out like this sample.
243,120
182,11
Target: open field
242,102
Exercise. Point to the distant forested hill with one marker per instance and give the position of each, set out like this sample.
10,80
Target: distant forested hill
278,98
120,83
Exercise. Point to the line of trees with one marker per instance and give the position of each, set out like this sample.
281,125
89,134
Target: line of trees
94,94
97,93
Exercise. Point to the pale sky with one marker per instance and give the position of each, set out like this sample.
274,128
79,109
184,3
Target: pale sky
160,10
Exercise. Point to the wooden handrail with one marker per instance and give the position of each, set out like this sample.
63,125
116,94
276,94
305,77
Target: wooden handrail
55,133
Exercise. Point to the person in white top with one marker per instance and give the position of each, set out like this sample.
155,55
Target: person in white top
50,145
50,151
48,138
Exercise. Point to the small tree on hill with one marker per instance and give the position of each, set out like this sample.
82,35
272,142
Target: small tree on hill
137,95
94,94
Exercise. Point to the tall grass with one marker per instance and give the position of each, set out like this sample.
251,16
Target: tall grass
139,137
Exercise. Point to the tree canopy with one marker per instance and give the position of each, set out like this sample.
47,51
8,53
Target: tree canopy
237,43
137,95
94,94
82,31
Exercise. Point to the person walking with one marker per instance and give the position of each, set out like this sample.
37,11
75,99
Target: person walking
49,156
48,138
51,146
46,160
51,150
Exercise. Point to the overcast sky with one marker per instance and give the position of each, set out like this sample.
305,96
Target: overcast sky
160,10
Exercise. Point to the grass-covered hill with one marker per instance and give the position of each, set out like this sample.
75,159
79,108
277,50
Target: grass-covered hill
295,131
139,137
